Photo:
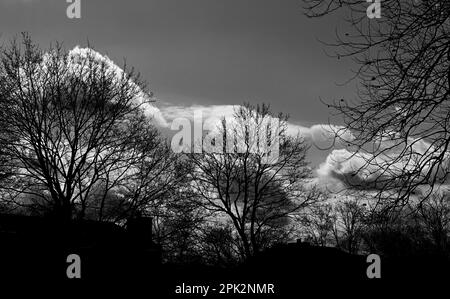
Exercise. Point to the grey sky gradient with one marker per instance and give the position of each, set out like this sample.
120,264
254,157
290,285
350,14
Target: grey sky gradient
202,51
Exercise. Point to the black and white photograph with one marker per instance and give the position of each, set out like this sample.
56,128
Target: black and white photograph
224,148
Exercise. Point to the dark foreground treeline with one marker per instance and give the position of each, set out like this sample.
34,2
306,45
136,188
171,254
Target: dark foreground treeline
125,258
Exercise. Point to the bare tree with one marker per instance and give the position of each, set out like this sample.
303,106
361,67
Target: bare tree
243,183
401,113
317,224
74,130
220,245
178,224
349,225
434,214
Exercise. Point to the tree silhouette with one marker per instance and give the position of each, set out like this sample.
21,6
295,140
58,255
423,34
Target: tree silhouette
434,214
349,226
244,185
317,224
74,133
400,116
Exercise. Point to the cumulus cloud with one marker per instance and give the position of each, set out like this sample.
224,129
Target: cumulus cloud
209,113
76,57
351,168
324,136
342,167
375,170
321,135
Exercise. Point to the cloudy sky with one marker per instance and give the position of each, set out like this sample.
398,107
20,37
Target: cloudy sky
204,53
